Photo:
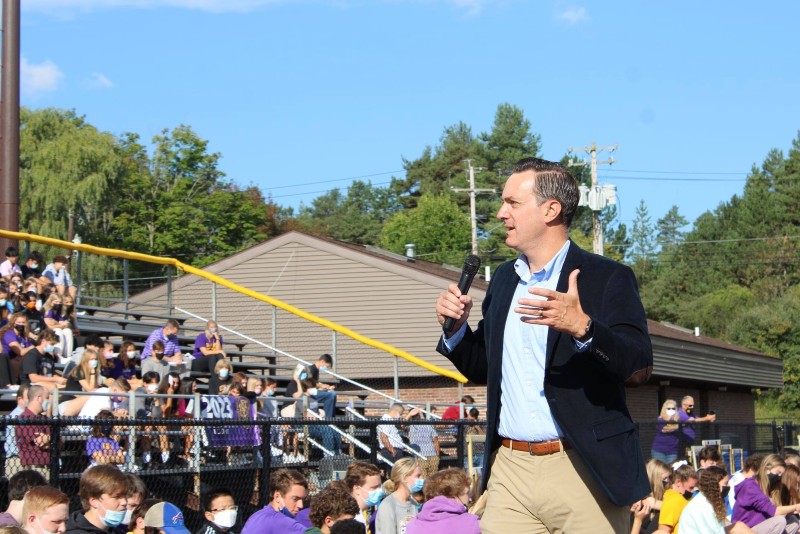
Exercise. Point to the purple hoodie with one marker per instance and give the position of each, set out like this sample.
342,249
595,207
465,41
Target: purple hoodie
444,515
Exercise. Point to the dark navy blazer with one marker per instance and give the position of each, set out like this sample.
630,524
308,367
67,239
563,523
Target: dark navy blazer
585,390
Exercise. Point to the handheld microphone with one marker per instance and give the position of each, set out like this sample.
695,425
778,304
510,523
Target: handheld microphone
471,266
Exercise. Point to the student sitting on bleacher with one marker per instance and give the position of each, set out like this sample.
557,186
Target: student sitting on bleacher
16,342
58,320
221,380
39,364
156,362
207,349
125,364
83,377
168,336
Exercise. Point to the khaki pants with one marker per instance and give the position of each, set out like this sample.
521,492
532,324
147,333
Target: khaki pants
548,494
429,466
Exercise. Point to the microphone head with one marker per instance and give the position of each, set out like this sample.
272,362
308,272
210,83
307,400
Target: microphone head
472,264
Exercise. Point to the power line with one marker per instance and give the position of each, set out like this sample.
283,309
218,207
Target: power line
336,180
677,172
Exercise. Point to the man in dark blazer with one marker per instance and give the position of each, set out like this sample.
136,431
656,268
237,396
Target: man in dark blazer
563,331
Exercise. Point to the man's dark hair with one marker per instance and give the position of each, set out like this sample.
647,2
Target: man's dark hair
136,486
12,252
333,501
347,526
94,340
47,335
21,482
142,509
37,257
357,473
209,497
753,462
327,358
467,399
553,181
474,413
173,324
710,452
22,390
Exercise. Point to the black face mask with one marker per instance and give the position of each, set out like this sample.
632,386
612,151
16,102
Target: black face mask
774,479
57,307
687,494
725,491
19,328
159,355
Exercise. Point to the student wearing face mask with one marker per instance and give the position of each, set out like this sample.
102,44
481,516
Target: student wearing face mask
398,508
364,482
682,484
446,507
156,363
668,436
207,349
103,490
125,365
220,382
15,342
325,394
58,320
220,512
33,441
289,490
137,495
45,511
39,364
758,500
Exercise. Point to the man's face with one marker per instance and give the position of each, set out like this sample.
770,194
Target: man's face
54,519
109,502
687,405
520,212
220,504
361,493
13,259
58,265
293,500
134,501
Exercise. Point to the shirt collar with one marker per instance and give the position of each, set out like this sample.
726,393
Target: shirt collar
552,267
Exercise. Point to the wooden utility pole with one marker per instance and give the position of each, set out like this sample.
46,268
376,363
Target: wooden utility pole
9,122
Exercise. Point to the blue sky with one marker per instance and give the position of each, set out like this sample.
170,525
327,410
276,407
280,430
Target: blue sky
293,93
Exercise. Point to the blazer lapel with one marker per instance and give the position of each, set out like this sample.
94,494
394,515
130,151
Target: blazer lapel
571,262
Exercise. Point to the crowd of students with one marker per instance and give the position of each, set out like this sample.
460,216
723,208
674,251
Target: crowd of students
763,497
115,502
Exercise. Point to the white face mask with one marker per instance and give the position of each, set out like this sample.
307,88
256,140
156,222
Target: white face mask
312,392
152,388
225,518
127,519
671,411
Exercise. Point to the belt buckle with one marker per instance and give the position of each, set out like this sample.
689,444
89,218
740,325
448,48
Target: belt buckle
530,449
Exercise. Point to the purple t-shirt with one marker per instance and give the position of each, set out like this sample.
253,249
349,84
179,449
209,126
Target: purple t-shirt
268,521
204,341
752,506
687,428
10,337
666,442
52,314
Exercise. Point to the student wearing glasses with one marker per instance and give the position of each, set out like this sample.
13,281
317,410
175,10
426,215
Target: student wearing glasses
220,512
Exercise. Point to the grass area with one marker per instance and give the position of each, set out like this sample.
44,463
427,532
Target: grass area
768,409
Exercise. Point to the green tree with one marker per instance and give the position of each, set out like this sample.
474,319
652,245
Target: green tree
438,227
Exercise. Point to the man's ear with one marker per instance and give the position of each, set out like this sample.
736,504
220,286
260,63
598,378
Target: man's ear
552,210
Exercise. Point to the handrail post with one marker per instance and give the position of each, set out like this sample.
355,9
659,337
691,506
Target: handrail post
396,380
333,350
460,438
125,283
130,456
274,326
169,289
266,463
55,451
214,301
373,438
78,277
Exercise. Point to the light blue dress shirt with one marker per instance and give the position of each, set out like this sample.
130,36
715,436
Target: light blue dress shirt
525,414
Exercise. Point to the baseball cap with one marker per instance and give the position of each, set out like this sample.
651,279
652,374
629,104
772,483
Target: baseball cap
167,517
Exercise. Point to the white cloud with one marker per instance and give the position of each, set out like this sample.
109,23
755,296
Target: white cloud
101,80
36,79
472,7
573,15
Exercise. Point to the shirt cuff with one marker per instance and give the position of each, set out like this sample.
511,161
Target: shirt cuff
455,339
583,347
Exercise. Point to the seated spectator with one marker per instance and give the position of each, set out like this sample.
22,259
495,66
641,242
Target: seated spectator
11,264
749,470
323,393
125,365
57,319
12,464
33,266
207,349
39,364
188,387
103,490
396,510
168,336
156,362
30,306
330,439
18,485
389,438
164,518
220,382
658,474
755,508
86,375
6,307
45,509
137,494
57,274
452,412
364,483
145,402
289,489
709,456
682,483
445,508
171,407
331,505
33,441
220,512
107,368
136,525
16,341
116,402
102,447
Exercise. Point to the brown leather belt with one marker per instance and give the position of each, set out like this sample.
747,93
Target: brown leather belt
537,448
